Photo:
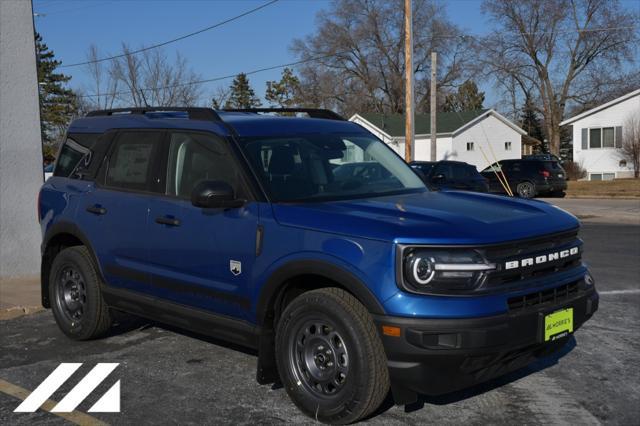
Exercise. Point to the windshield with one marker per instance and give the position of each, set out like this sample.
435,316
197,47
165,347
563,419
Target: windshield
329,166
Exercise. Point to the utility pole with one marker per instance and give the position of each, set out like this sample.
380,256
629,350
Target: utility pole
434,130
409,148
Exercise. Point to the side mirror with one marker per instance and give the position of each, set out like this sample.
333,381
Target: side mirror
214,194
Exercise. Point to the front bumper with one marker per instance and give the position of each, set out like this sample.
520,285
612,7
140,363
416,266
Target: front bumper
438,356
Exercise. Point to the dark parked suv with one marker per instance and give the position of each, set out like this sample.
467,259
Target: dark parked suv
349,281
451,175
527,178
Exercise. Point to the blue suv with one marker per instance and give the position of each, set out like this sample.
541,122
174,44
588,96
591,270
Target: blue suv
254,226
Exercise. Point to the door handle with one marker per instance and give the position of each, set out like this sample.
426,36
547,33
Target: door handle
171,221
97,209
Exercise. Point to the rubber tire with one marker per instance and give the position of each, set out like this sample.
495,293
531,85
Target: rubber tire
521,185
96,319
368,382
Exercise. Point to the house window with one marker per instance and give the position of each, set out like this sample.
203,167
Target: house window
602,137
470,146
607,137
507,146
595,138
623,163
602,176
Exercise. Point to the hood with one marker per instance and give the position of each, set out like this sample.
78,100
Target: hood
445,217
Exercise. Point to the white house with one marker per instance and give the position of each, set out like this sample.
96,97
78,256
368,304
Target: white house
597,137
475,137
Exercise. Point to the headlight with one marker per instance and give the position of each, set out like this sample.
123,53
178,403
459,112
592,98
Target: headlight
443,270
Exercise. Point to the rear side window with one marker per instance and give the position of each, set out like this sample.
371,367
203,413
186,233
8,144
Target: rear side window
131,161
75,148
552,165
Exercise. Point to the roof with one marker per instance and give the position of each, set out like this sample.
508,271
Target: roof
244,124
447,122
601,107
530,140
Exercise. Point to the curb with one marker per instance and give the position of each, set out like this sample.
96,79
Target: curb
18,311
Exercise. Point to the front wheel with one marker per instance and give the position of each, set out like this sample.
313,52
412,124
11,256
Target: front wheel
330,357
526,190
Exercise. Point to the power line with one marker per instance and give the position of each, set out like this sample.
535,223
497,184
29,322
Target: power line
209,80
290,64
164,43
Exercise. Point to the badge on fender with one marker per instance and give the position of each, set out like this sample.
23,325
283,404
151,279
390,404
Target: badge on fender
235,266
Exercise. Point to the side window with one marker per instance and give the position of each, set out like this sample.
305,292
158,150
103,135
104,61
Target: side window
195,157
443,169
74,149
460,171
131,161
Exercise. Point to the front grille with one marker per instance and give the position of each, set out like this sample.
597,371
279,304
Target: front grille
502,253
539,298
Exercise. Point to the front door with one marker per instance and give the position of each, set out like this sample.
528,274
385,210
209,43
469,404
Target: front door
202,257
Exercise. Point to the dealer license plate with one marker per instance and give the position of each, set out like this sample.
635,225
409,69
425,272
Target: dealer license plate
558,324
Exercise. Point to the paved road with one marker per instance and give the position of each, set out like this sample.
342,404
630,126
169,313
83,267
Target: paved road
609,210
171,377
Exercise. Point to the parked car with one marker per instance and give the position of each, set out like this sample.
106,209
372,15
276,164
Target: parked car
258,230
548,157
528,178
451,175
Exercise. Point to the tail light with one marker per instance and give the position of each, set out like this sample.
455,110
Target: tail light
545,173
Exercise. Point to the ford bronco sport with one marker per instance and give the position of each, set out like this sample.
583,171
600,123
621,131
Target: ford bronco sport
253,227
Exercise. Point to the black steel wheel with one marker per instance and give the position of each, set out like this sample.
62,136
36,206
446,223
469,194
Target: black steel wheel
330,357
319,357
74,291
526,190
72,294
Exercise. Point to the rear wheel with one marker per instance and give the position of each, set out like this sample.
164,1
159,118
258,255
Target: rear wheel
330,357
74,291
526,190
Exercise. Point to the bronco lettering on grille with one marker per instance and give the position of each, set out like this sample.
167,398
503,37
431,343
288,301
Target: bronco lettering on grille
544,258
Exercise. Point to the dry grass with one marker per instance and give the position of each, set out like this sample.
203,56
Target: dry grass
616,188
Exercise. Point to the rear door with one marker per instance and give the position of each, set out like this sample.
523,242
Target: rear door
202,257
114,212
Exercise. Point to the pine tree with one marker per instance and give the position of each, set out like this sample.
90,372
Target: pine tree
242,95
467,98
283,93
530,121
58,104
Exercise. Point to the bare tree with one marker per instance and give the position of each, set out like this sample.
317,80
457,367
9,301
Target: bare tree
356,56
559,51
631,142
151,78
148,78
220,97
103,85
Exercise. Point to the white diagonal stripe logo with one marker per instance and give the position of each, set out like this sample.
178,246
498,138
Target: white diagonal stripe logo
110,401
47,388
84,387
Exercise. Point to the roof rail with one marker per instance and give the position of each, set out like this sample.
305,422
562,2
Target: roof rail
195,113
311,112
